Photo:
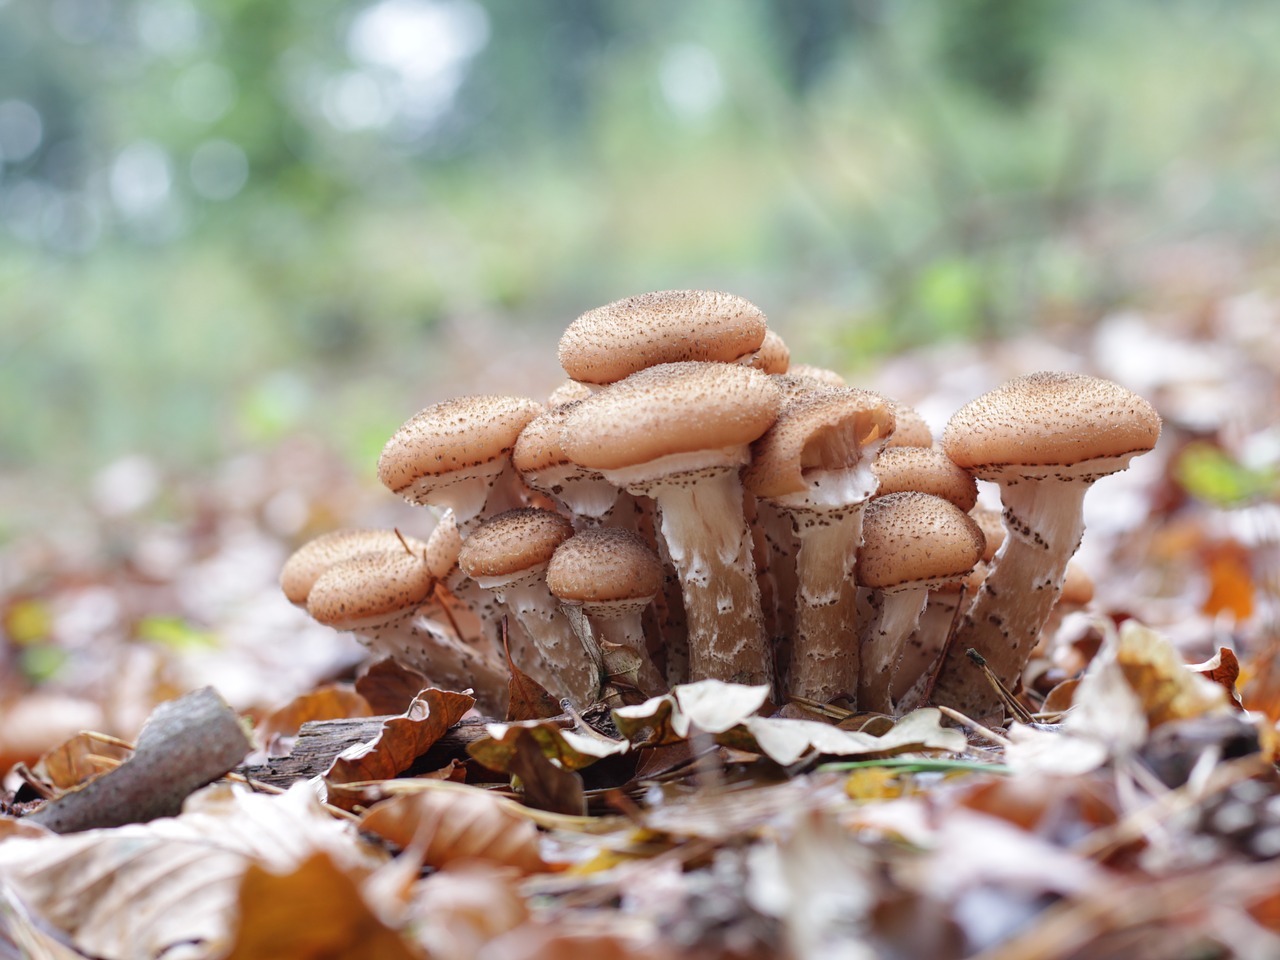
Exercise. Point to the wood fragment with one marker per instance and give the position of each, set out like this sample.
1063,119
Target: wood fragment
185,744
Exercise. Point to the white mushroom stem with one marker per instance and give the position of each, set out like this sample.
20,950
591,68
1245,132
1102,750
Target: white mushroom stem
532,604
775,526
707,539
1044,523
896,613
922,648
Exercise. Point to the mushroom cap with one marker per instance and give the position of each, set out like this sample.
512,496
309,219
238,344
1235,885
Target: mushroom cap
443,546
603,565
613,341
369,590
446,439
1051,419
773,356
915,538
824,430
926,469
991,522
1077,586
538,446
513,542
912,430
313,558
823,375
570,391
669,409
792,385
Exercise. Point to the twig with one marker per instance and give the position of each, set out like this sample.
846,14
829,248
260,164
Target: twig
975,726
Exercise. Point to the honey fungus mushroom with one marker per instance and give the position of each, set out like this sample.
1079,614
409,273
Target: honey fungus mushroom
611,342
679,433
1044,438
456,455
610,575
508,554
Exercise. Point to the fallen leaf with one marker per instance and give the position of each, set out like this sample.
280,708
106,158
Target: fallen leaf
333,701
455,912
786,741
573,751
315,911
545,784
456,825
388,686
80,759
527,699
1224,669
1231,587
402,739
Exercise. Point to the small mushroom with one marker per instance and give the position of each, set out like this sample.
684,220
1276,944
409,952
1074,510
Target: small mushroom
609,576
1044,438
773,355
679,433
912,430
911,542
539,456
611,342
457,455
308,562
926,469
814,464
385,599
508,554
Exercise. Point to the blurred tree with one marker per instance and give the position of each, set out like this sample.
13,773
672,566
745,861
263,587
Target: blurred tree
999,47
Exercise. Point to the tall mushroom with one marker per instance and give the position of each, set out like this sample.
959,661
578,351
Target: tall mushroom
1044,438
508,554
911,542
814,464
679,433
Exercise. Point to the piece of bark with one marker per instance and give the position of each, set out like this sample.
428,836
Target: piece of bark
185,744
320,741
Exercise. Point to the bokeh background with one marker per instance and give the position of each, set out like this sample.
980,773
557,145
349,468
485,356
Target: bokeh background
242,241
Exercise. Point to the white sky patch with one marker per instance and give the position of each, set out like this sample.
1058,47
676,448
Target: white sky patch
141,179
219,169
21,130
415,54
691,81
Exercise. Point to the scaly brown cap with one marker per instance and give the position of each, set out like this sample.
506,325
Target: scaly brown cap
370,590
613,341
1051,420
773,355
913,537
912,431
926,469
670,409
447,439
824,430
309,561
605,564
443,546
513,542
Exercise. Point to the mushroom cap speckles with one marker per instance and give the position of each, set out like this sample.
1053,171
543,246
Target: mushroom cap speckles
313,558
604,565
613,341
912,430
670,409
822,430
774,356
443,546
926,469
538,446
1049,419
513,541
913,537
370,589
453,436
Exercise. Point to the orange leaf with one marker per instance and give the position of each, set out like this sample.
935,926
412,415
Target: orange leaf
402,739
1230,580
527,699
315,912
334,701
1223,669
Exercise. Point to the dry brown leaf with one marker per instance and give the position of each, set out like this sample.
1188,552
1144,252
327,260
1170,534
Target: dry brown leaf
389,686
1224,669
455,912
712,706
457,825
80,759
333,701
313,911
139,890
573,751
527,699
786,741
578,939
402,739
544,784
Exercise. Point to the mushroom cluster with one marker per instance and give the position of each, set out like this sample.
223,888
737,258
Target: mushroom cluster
690,505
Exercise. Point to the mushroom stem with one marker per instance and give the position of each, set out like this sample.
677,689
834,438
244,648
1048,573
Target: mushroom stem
824,650
896,614
1044,523
706,536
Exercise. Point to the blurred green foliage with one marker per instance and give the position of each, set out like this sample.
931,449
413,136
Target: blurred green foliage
236,219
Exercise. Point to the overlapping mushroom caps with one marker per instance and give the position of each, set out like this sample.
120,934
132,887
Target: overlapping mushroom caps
814,464
679,433
1044,438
